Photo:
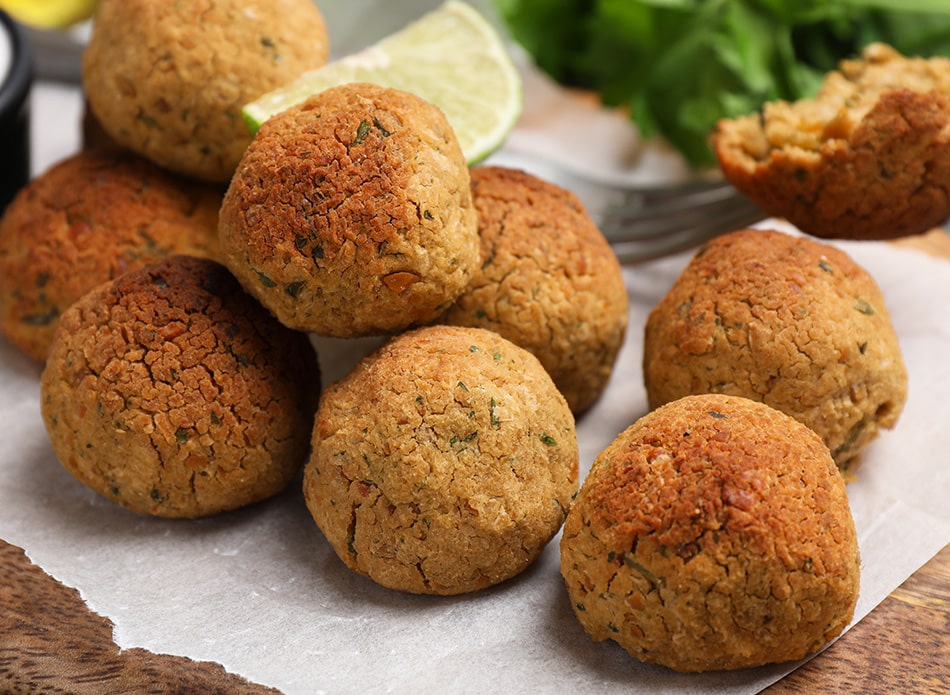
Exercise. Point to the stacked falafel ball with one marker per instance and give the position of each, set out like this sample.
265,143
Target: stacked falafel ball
171,280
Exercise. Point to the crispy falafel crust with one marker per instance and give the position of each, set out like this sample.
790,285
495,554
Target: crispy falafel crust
168,79
352,214
88,219
786,320
867,158
548,281
444,463
714,533
171,392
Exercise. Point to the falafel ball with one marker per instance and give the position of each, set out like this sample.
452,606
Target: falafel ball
786,320
867,158
88,219
548,281
351,214
168,79
171,392
714,533
443,463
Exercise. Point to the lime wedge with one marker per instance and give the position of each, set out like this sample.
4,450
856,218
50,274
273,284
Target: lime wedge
452,57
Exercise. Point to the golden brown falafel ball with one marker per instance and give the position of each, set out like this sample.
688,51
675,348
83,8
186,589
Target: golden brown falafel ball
352,214
168,79
868,158
714,533
785,320
173,393
88,219
549,281
444,463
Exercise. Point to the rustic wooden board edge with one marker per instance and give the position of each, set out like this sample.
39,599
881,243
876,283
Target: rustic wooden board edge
902,646
50,642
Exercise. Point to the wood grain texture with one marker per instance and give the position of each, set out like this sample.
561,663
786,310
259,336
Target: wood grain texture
50,642
902,646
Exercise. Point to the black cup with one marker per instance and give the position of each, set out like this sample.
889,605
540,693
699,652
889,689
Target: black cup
14,111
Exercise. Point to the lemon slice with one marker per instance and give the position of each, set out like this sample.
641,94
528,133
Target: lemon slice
49,14
452,57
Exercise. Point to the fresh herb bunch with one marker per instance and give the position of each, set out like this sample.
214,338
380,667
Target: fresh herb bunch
679,66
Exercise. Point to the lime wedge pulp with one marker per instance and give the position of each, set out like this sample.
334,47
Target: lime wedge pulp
452,57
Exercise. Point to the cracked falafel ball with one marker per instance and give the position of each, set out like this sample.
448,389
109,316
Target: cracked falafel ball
168,79
86,220
867,158
714,533
443,463
548,281
785,320
171,392
351,214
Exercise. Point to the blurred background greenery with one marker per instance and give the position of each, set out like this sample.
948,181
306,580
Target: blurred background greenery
678,66
675,66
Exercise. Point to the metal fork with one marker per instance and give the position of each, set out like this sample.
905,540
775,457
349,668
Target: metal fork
647,222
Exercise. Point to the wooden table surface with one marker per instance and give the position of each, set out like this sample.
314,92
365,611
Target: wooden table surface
51,643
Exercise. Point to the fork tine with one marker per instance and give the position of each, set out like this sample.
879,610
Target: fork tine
650,196
640,206
643,222
687,214
670,238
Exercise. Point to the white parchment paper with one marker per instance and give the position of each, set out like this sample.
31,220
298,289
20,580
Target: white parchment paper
261,592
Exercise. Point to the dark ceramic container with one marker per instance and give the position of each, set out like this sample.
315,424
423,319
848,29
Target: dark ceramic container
16,76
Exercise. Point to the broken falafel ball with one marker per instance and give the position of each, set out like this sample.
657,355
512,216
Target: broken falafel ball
351,214
173,393
867,158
